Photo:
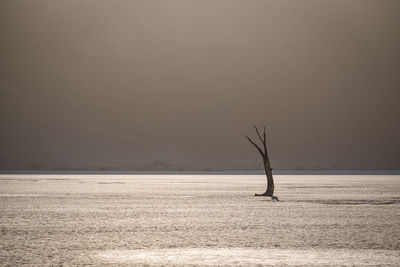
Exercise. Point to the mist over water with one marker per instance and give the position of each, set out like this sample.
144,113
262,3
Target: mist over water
169,85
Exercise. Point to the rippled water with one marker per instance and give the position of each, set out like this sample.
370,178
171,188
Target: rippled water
199,220
248,256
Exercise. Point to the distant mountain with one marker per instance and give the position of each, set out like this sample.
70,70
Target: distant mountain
159,165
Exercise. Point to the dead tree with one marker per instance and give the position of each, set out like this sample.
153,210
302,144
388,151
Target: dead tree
267,163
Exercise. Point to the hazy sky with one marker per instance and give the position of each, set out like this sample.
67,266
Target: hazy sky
121,84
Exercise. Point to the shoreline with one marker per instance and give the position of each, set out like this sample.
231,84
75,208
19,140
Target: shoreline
344,172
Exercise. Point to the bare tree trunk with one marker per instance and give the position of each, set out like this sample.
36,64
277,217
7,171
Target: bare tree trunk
270,182
267,164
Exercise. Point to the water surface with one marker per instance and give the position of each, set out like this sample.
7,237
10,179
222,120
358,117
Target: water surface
136,219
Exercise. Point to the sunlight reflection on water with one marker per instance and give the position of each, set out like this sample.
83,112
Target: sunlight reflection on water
242,256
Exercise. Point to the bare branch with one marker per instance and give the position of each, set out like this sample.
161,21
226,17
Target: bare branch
265,142
255,145
259,135
265,139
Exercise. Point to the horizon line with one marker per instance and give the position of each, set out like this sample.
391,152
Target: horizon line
221,172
